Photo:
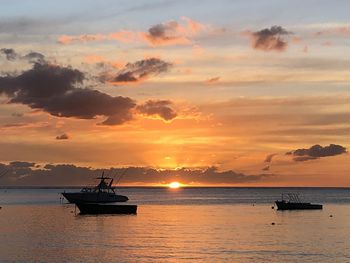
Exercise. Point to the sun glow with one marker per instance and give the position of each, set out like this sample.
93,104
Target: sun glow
174,185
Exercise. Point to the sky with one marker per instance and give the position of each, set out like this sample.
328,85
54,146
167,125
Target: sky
238,93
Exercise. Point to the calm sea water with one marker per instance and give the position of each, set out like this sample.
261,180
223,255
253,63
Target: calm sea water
182,225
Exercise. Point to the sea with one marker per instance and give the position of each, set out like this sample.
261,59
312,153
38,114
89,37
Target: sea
177,225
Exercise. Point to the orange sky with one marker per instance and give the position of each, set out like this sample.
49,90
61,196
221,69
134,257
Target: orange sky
181,90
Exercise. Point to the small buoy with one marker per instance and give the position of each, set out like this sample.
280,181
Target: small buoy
330,215
273,223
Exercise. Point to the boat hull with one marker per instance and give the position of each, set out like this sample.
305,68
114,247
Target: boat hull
94,198
96,209
297,206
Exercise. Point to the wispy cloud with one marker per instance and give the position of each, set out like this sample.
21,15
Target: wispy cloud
212,80
139,70
121,36
167,33
333,30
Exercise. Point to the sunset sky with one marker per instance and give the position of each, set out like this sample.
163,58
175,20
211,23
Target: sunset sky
201,92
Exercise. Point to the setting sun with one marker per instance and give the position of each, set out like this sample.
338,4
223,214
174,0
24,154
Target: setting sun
174,185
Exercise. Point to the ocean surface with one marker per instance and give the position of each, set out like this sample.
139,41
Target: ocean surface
177,225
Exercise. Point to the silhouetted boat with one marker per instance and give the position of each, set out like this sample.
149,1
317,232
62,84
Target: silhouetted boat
104,192
95,209
291,201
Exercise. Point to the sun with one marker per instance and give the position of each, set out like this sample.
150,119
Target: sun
174,185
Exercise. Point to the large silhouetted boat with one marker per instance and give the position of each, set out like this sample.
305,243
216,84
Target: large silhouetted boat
104,192
291,201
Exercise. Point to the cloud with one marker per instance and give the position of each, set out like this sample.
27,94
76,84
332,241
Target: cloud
212,80
71,175
172,33
121,36
81,38
269,157
159,108
59,91
35,57
343,31
53,89
19,164
269,39
140,70
268,160
9,53
317,151
63,136
304,158
41,81
266,168
167,33
32,57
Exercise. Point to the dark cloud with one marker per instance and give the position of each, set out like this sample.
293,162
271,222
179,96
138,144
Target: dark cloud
53,89
9,53
317,151
162,108
19,164
35,57
125,77
63,136
133,72
32,57
60,90
40,82
162,33
70,175
270,39
304,158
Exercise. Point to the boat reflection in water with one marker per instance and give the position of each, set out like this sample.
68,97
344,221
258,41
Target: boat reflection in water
291,201
104,192
96,208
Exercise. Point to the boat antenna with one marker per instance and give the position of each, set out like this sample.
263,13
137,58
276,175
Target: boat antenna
4,172
124,172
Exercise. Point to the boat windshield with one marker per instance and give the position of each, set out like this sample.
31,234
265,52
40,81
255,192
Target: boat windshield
87,190
102,187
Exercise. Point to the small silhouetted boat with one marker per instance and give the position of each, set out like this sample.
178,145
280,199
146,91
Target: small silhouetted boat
96,209
291,201
104,192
